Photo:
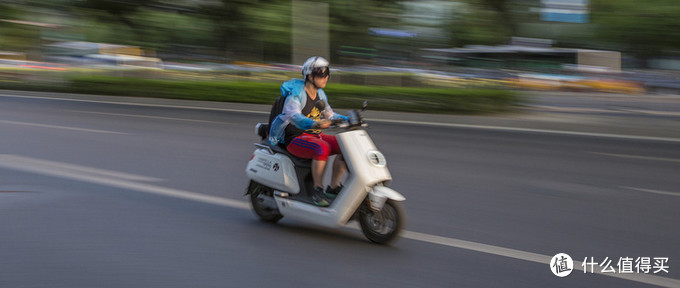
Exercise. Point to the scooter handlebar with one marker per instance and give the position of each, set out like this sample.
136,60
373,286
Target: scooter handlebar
355,120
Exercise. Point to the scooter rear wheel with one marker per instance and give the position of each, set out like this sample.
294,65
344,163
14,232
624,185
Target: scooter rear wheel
263,211
383,226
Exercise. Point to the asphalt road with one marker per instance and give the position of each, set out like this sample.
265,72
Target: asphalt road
99,194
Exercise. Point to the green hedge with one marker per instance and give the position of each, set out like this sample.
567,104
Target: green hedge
426,100
247,92
408,99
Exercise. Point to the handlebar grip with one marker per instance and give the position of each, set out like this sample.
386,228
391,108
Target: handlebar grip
337,121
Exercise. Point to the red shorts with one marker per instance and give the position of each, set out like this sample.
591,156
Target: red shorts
314,146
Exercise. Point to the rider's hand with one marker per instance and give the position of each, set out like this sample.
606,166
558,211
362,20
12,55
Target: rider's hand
322,124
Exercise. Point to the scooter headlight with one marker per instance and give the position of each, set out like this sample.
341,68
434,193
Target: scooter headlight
377,159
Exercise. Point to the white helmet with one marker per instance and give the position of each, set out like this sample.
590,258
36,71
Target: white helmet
317,66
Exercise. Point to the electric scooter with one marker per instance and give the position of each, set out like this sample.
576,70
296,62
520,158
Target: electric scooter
281,185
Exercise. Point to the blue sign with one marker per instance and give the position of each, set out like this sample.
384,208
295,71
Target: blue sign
570,11
558,15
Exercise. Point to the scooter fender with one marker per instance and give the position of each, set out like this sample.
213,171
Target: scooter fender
379,194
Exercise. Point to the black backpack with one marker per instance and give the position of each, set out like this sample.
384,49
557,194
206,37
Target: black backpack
277,109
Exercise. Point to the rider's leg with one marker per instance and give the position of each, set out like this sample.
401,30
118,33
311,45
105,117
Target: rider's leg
318,169
339,169
311,146
339,166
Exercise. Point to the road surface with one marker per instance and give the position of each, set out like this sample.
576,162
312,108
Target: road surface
95,193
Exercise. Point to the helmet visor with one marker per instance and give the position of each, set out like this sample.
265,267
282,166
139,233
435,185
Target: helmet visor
321,71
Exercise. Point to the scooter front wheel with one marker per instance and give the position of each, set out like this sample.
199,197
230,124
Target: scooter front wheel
382,226
258,196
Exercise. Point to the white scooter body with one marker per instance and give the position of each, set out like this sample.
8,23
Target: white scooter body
368,175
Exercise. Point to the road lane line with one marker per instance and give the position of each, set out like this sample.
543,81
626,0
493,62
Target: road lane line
149,117
638,157
479,247
533,257
6,161
425,123
652,191
530,130
46,165
60,127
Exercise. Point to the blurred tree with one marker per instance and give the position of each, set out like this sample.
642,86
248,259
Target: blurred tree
271,31
643,29
175,33
478,24
116,10
147,23
117,21
18,37
229,19
8,11
503,14
350,24
13,36
492,21
263,28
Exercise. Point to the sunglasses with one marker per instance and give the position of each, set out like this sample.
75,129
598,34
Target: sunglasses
321,72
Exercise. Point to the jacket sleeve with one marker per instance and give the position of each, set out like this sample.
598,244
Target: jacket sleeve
328,113
335,116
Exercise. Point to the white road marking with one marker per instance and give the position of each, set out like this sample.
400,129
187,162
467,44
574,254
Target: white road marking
426,123
652,191
137,104
59,127
46,166
533,257
62,170
638,157
54,169
531,130
149,117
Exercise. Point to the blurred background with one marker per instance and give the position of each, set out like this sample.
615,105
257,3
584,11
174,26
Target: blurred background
587,166
577,45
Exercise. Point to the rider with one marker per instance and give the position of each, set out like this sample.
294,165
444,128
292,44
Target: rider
298,127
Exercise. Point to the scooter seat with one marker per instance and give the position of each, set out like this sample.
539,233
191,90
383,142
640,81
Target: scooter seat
297,161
